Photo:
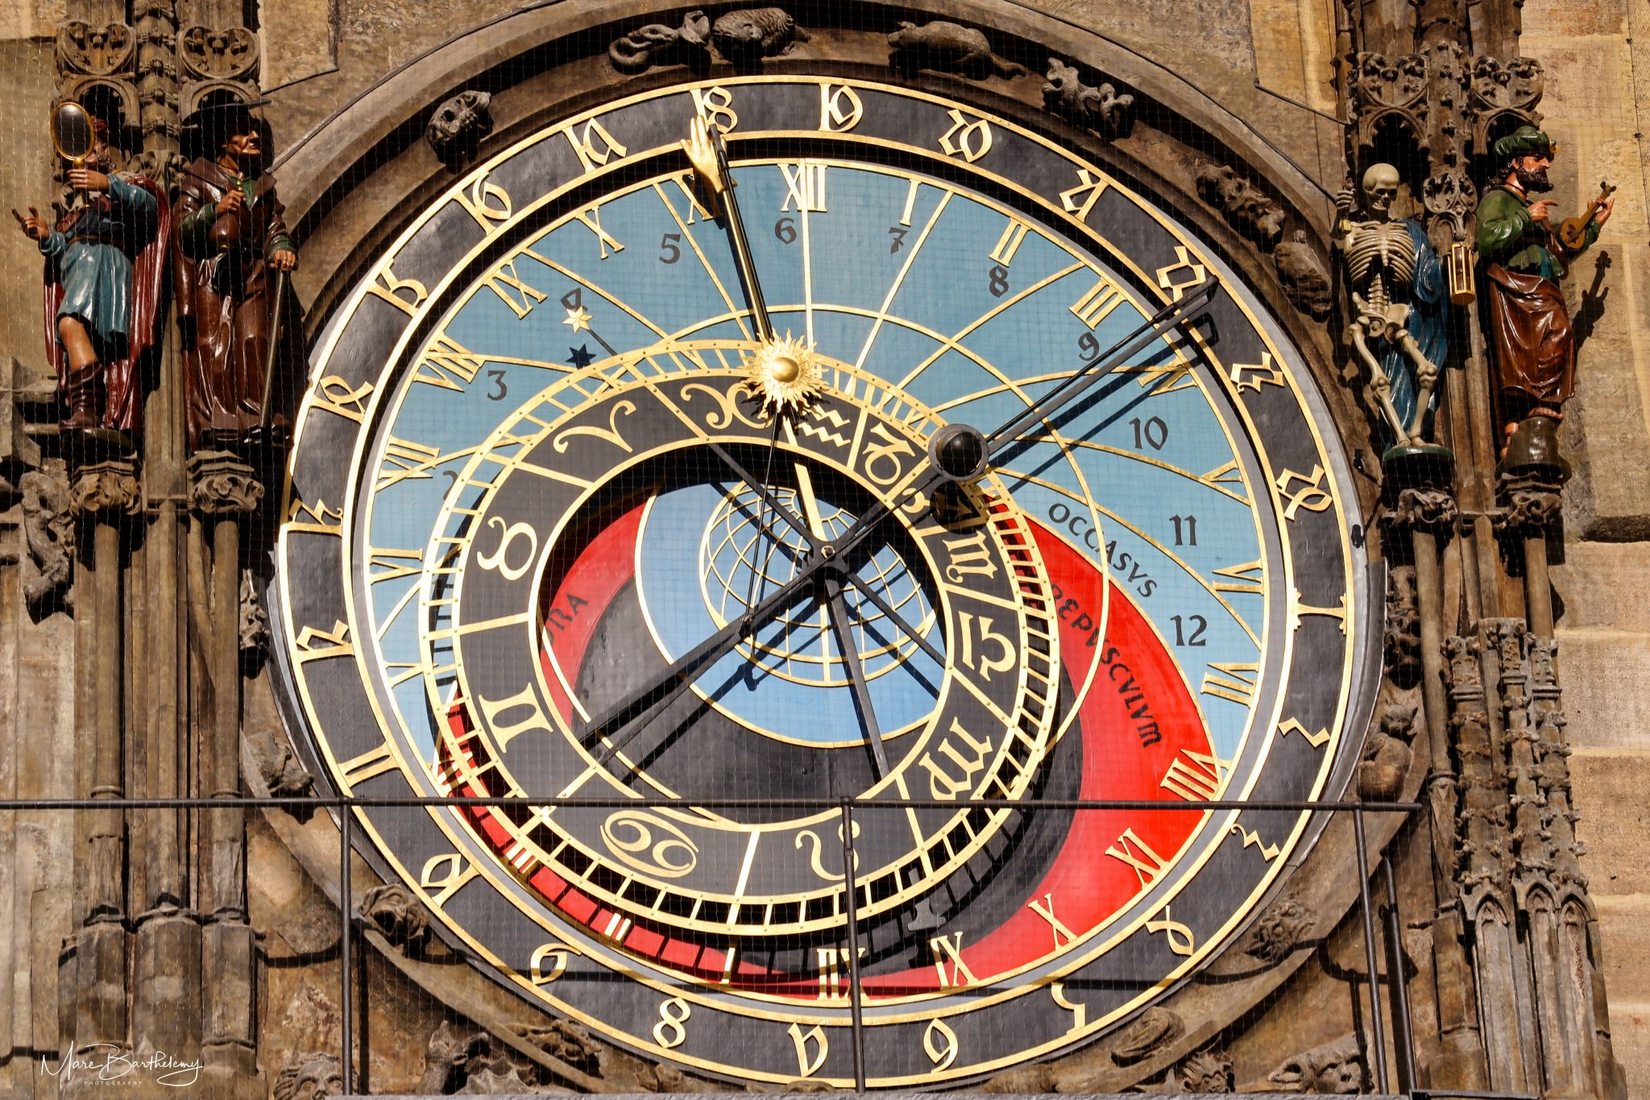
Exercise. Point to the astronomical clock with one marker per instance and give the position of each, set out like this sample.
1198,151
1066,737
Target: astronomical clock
851,578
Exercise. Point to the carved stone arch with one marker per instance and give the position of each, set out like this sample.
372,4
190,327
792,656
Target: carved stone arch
114,89
190,99
1492,125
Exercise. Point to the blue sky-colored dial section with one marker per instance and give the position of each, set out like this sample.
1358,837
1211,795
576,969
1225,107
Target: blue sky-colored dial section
970,307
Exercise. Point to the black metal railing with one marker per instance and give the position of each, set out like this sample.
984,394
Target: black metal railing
1380,926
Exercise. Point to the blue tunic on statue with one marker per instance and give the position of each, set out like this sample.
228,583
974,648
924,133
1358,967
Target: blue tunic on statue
1428,323
93,260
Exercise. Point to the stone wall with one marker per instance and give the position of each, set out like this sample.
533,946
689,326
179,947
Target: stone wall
1597,104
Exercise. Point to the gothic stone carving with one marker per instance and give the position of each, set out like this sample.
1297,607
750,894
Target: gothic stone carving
1155,1029
1333,1069
394,911
467,1064
1387,754
1402,640
1245,206
1278,931
1207,1071
1380,87
310,1077
48,532
254,627
744,38
661,44
1098,109
1380,82
94,50
1450,194
945,47
282,773
1304,278
457,127
567,1042
223,484
210,54
1516,85
104,487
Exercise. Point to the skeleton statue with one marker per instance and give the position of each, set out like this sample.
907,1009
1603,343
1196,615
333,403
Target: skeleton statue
1400,300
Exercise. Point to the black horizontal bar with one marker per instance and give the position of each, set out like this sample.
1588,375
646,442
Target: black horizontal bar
339,801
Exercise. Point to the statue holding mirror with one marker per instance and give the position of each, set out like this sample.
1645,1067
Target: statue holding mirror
105,260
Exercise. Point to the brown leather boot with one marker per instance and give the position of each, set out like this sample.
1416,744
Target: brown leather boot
81,417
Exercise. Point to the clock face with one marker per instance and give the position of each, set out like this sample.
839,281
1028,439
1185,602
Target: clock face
788,725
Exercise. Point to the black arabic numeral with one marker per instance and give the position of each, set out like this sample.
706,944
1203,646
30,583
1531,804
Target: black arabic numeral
1088,346
997,281
785,230
1199,625
1151,433
499,389
1185,530
670,249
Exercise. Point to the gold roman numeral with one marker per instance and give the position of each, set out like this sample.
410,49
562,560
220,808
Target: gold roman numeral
512,291
1044,907
1193,776
1245,577
406,460
804,186
1096,305
448,364
1130,849
591,220
389,565
1014,233
1234,681
948,961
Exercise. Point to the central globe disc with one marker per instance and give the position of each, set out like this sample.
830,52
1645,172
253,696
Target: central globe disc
708,552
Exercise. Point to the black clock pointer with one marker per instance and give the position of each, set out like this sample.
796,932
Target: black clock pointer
837,608
616,722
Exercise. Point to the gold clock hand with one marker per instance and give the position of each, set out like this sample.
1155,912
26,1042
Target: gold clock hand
709,157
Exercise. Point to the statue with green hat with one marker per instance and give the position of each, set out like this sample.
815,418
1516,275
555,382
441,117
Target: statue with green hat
1525,256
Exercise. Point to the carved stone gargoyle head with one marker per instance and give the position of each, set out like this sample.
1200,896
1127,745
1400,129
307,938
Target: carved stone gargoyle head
310,1077
456,128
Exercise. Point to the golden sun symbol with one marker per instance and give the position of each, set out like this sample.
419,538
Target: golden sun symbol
784,372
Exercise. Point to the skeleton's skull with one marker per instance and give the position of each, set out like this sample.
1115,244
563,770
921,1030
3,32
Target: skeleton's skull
1380,189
